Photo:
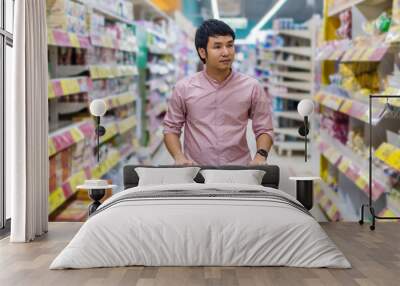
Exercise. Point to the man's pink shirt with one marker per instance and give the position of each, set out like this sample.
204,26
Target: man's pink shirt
215,116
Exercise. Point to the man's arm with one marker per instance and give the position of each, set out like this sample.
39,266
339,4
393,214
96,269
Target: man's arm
265,142
173,122
261,115
174,147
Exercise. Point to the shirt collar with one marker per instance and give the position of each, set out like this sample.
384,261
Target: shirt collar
216,83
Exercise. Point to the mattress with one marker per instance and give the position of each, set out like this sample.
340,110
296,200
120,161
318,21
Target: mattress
201,225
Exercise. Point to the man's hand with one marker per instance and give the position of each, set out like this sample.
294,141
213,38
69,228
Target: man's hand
181,160
258,160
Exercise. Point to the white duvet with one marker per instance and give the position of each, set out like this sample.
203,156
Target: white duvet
200,231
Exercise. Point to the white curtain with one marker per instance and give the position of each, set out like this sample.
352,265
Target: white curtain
27,124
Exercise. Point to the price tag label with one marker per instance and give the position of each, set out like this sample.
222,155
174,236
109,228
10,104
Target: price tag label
346,106
332,102
384,150
70,86
367,55
358,54
51,93
77,135
74,41
56,198
344,165
52,148
394,160
324,201
50,37
361,182
96,172
94,72
76,180
332,212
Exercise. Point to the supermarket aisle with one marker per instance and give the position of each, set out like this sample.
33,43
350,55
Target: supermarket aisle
289,166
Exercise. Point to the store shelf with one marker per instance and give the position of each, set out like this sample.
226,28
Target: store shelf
300,51
292,85
105,71
305,76
67,86
305,34
114,101
126,124
306,65
327,206
350,106
336,200
159,108
291,96
288,145
351,169
361,49
70,135
288,114
64,39
111,15
337,9
389,155
390,159
288,131
111,131
157,51
60,195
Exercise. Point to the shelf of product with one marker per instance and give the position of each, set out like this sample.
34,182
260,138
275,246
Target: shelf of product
65,39
68,86
285,70
92,54
67,188
300,64
68,136
97,50
327,205
357,58
294,115
305,34
120,99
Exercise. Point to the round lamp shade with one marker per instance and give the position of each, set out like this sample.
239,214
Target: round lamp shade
98,107
305,107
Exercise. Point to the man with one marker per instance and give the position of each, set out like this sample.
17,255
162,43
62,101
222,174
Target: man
214,106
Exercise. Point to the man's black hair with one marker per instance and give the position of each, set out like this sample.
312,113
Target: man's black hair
211,28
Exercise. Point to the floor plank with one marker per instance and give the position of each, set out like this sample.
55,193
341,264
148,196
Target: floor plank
375,257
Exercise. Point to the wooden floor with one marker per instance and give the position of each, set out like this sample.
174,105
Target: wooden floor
375,257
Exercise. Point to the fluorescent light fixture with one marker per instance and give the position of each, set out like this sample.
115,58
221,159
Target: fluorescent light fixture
278,5
236,22
214,7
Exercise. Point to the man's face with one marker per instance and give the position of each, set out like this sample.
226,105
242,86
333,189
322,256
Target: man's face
220,52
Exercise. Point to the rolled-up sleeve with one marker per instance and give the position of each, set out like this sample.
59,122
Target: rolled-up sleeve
175,116
261,112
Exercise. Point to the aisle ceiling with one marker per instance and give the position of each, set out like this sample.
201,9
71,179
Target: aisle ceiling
254,10
300,10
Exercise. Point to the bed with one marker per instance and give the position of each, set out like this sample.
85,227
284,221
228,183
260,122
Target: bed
198,224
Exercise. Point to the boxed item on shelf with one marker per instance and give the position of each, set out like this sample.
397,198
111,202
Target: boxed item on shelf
67,16
336,124
287,24
70,56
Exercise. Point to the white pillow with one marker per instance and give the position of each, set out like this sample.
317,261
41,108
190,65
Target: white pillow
166,176
248,177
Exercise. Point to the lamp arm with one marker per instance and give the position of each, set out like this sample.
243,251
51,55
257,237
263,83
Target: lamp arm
305,137
98,138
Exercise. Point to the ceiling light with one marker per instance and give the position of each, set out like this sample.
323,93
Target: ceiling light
215,10
278,5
